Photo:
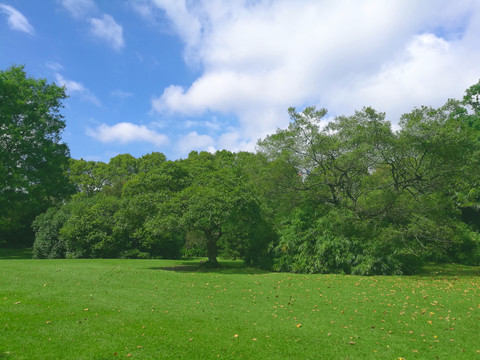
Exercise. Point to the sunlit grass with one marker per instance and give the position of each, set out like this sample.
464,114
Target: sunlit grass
155,309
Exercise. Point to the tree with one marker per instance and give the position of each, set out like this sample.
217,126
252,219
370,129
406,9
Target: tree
143,197
151,161
88,232
33,159
330,161
217,208
400,192
88,177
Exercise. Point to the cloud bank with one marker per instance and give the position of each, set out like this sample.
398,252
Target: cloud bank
257,58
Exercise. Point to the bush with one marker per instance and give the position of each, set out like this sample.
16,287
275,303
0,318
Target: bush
88,232
339,242
48,243
315,246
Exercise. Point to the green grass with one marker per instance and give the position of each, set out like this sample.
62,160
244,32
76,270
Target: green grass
156,309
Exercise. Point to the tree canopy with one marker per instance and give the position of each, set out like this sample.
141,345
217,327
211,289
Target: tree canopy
33,160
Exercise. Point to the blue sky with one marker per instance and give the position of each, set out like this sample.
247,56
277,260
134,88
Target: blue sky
179,75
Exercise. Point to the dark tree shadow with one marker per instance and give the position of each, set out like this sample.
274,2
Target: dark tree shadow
448,270
224,267
15,254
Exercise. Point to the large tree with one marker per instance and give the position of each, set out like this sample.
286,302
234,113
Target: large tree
218,208
33,160
393,197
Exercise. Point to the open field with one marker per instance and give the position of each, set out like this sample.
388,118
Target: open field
156,309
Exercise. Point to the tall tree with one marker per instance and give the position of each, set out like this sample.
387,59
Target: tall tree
33,159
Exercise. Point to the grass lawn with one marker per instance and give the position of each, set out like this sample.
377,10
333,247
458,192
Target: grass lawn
156,309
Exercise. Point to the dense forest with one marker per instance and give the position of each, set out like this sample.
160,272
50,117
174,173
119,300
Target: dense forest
348,195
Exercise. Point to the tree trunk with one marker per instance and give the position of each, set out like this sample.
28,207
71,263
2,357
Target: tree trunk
212,251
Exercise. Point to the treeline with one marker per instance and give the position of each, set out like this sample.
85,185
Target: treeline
205,205
347,195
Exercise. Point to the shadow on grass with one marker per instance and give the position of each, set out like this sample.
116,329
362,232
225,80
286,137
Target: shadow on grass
224,267
15,254
430,270
444,270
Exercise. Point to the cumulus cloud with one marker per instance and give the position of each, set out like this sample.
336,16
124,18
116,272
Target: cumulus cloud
77,89
107,29
16,20
429,72
258,58
126,132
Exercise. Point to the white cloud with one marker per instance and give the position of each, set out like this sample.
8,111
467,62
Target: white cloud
104,27
107,29
77,88
429,72
195,141
16,20
126,132
78,8
184,19
258,58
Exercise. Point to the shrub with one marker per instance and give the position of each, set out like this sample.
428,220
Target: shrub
48,243
88,232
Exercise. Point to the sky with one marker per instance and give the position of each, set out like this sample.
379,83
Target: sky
174,76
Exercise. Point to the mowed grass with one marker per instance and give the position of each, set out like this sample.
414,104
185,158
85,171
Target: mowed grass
156,309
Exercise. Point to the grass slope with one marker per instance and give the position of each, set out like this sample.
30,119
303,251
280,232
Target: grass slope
116,309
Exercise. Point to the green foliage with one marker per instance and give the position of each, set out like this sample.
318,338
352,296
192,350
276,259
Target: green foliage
150,162
378,202
88,177
88,232
161,238
336,242
218,206
33,159
48,243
